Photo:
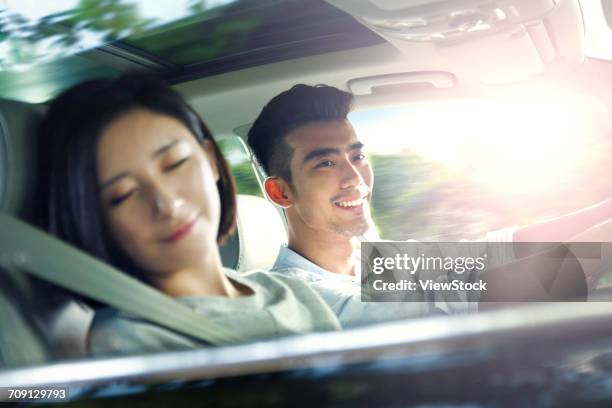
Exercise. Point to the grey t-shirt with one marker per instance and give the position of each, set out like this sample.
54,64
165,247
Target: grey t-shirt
279,306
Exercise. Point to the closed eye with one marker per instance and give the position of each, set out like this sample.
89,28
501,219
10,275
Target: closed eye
176,164
120,199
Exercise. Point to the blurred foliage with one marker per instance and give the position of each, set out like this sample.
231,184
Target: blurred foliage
188,44
238,159
417,199
246,182
91,23
114,18
209,33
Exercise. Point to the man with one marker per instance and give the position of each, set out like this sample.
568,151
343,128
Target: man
319,174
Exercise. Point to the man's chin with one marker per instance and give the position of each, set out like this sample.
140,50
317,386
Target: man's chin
353,229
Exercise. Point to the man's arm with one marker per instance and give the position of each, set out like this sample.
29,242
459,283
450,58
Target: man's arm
566,227
595,268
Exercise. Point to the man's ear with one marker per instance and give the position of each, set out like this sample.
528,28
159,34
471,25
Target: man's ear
278,191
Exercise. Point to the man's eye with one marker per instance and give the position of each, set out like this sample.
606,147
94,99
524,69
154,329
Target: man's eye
176,164
120,199
326,163
360,157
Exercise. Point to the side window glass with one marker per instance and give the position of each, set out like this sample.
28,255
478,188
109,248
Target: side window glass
237,157
446,170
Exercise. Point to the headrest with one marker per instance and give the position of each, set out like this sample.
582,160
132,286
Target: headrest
18,157
261,232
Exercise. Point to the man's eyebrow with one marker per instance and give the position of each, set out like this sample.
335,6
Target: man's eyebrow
321,152
355,146
156,153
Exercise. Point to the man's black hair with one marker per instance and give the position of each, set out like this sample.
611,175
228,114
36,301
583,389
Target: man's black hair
301,105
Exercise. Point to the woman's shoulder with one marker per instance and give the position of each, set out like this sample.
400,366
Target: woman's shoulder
114,332
273,282
276,285
258,277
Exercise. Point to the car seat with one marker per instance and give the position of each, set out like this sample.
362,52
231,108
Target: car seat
260,234
41,320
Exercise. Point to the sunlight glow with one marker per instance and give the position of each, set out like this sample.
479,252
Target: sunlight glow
521,140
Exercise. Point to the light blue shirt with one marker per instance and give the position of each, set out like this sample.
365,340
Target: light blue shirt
291,263
343,293
331,285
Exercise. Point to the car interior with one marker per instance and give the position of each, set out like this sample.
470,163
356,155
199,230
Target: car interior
228,58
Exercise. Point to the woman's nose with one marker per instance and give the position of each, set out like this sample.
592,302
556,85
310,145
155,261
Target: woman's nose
167,204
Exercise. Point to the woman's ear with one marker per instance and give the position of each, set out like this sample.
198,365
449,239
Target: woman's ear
279,192
210,155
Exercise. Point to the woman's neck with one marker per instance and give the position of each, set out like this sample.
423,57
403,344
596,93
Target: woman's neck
205,279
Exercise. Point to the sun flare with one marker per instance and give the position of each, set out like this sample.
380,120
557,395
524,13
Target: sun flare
505,143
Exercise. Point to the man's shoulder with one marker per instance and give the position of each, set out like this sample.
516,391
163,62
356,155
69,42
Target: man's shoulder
291,263
296,272
287,258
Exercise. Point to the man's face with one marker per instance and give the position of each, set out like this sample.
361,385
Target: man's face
331,179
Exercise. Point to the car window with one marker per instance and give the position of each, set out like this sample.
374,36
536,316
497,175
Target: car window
237,156
448,170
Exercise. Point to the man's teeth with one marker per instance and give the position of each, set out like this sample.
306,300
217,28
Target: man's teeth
355,203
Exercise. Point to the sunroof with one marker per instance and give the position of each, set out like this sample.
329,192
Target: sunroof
248,32
54,42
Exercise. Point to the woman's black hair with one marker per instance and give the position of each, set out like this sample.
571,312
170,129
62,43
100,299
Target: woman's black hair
69,136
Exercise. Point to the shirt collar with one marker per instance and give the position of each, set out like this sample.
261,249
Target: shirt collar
288,258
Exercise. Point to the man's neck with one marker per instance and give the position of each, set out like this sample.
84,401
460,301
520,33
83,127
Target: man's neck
332,253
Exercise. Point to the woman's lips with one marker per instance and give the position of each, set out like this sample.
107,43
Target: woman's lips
180,232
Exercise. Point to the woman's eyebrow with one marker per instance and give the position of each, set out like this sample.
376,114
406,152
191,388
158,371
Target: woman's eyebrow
112,180
165,148
156,153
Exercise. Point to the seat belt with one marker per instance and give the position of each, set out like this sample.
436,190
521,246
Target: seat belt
26,248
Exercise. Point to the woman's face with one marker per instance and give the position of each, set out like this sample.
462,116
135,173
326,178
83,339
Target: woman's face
158,191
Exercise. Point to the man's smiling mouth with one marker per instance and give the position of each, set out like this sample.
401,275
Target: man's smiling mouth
351,203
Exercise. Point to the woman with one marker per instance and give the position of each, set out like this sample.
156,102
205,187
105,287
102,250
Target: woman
136,179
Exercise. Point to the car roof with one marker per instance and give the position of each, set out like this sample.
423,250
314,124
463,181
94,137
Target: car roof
241,53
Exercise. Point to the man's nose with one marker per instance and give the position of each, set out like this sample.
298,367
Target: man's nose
166,204
351,177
